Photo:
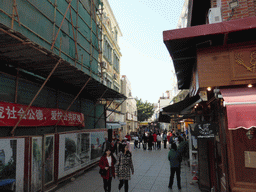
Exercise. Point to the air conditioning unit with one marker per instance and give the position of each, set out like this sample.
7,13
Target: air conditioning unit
214,15
104,65
115,76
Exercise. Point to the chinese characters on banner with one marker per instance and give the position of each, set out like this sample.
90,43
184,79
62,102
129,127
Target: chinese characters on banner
37,116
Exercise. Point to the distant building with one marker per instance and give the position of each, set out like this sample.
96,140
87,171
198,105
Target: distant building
109,66
183,20
129,107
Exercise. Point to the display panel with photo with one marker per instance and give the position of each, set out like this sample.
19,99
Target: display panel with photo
74,152
49,159
36,172
97,140
11,164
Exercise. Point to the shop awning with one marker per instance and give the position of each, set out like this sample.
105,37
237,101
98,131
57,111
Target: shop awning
113,125
241,107
144,123
183,107
182,44
164,118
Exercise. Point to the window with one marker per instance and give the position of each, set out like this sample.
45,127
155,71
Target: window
116,62
116,35
107,51
116,88
109,83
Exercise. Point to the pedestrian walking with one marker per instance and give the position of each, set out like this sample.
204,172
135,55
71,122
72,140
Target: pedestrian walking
126,142
140,140
112,146
128,136
150,141
105,145
168,136
136,141
159,139
124,167
176,139
117,147
171,138
107,163
155,140
174,158
165,139
145,139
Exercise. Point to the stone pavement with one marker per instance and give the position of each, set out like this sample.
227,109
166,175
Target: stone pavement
152,172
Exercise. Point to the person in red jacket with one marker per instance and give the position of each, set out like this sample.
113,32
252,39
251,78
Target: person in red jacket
129,138
168,136
107,162
154,140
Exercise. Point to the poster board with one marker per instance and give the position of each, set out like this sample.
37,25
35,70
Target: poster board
49,143
74,152
36,164
97,140
12,158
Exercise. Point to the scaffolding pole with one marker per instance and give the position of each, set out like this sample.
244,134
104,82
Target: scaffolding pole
111,112
116,108
21,117
73,100
53,43
103,112
75,38
14,10
95,104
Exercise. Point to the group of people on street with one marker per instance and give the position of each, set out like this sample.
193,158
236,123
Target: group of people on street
153,140
117,161
117,157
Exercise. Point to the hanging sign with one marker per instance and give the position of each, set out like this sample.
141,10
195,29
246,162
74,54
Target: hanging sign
37,116
205,130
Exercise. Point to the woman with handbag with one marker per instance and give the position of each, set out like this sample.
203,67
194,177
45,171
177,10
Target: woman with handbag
124,166
107,169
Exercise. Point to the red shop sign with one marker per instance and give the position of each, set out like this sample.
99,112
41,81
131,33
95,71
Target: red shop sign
37,116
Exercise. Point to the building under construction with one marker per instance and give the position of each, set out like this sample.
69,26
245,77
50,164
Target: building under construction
52,118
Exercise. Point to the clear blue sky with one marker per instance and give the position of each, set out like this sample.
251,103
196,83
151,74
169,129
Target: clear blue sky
145,59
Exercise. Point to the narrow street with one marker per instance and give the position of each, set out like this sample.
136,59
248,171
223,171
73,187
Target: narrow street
152,172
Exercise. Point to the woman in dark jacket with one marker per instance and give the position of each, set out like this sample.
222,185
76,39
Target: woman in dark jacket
174,158
150,141
124,166
107,162
145,140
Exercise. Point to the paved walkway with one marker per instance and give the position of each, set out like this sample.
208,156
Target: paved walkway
152,172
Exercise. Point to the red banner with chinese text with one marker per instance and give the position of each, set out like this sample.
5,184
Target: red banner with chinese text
37,116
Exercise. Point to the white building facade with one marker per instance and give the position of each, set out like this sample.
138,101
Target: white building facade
109,67
129,107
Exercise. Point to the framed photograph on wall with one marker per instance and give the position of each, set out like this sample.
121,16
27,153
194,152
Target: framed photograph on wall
74,152
49,159
36,164
12,164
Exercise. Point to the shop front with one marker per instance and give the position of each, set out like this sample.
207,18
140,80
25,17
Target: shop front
240,106
217,62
